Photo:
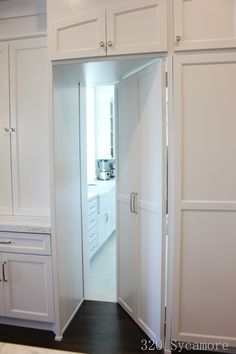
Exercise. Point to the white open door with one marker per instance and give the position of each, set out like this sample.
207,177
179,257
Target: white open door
141,147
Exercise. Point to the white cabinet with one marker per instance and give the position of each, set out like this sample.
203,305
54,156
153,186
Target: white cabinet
204,288
92,227
24,154
201,24
26,285
5,160
110,31
106,216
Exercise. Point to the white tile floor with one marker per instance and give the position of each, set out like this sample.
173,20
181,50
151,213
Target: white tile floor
102,275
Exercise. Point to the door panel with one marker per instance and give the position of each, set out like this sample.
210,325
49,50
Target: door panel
28,292
126,32
5,149
126,222
191,23
79,37
204,198
151,198
29,118
127,272
141,169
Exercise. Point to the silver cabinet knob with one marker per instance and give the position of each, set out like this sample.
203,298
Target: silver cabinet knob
178,39
102,44
109,43
6,130
13,130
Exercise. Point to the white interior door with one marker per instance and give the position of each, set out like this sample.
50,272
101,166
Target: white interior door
141,169
5,136
204,199
29,119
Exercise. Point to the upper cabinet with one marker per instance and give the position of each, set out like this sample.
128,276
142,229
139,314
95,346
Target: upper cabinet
201,24
112,31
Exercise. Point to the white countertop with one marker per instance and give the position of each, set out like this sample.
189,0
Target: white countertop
98,187
23,224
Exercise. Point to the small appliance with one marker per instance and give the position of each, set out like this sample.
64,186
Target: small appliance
103,169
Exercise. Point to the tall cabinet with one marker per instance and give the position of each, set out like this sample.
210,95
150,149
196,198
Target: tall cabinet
204,173
24,160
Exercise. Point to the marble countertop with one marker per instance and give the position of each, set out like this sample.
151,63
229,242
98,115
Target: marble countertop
23,224
7,348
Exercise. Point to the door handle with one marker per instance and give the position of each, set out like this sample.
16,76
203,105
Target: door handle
131,202
135,203
3,272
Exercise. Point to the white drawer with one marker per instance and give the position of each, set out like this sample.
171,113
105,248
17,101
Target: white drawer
92,220
92,206
93,247
93,234
18,242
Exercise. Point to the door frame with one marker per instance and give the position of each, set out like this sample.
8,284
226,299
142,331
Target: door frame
84,200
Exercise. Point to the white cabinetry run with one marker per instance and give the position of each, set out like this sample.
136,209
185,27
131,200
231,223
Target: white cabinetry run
26,285
101,216
113,30
24,157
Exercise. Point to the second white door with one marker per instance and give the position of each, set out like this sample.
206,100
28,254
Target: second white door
141,197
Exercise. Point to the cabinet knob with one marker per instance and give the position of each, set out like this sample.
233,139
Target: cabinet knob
102,44
6,130
110,43
13,130
178,39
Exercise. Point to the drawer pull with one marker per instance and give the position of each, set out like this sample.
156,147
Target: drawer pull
92,221
3,272
5,242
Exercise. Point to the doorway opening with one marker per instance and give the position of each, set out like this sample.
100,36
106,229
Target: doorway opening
100,119
130,161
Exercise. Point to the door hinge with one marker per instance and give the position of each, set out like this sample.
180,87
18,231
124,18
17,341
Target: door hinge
166,79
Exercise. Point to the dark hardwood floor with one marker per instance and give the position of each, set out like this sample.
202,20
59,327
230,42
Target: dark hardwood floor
98,327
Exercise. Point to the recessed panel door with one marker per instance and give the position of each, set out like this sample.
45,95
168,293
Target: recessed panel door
79,37
126,186
201,24
28,290
204,199
5,135
137,27
141,197
30,126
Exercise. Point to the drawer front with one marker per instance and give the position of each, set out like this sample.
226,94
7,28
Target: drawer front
92,206
25,243
93,234
93,247
92,220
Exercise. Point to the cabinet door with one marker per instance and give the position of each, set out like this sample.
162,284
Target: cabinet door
28,291
29,119
1,290
79,37
5,160
201,24
204,199
137,27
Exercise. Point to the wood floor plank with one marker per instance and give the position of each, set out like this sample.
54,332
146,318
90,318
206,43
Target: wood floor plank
97,328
